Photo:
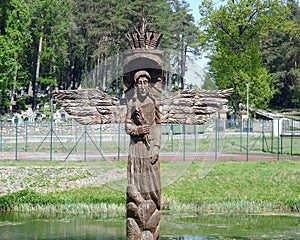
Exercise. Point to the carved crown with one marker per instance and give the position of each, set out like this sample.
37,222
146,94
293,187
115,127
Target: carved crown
142,39
144,55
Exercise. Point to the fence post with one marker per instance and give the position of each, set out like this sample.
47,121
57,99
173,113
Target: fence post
281,144
292,135
100,142
85,131
278,140
124,134
195,138
16,152
241,134
75,133
26,134
51,127
263,135
248,125
119,141
216,141
183,126
172,137
272,136
1,134
51,136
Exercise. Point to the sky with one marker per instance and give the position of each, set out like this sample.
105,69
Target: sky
194,4
195,70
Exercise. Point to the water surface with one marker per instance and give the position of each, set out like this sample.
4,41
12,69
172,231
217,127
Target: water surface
173,226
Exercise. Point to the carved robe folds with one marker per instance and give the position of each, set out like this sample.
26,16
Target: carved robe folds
143,191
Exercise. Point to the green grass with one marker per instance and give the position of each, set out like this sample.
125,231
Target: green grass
256,187
274,184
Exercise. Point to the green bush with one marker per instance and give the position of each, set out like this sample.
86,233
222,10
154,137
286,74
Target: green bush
294,205
10,201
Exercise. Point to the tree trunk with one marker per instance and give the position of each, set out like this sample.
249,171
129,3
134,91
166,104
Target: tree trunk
13,90
68,62
98,64
37,74
182,62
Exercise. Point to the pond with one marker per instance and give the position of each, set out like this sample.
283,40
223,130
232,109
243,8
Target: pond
173,226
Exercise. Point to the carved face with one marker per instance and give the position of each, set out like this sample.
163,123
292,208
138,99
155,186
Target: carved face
142,85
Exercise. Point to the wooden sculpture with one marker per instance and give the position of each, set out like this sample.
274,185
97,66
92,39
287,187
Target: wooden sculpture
143,114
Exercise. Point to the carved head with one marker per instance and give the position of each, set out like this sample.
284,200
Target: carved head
141,81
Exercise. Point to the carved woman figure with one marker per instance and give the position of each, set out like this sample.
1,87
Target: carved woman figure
143,126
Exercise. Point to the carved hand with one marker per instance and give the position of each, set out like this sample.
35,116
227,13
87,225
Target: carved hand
143,129
155,153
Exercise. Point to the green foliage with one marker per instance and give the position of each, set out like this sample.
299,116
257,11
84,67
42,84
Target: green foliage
209,83
93,195
89,195
47,81
20,104
76,37
184,38
9,202
232,34
14,38
242,38
4,101
281,53
294,204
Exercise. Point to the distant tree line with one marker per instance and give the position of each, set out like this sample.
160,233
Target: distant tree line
254,41
68,44
57,43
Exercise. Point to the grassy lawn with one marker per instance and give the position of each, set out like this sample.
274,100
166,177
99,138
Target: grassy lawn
272,185
256,187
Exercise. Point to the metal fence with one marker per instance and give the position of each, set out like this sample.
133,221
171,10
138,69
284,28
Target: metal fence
219,139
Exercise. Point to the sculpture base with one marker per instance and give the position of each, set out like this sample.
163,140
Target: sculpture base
143,216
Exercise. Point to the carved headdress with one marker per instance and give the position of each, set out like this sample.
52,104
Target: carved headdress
144,55
143,39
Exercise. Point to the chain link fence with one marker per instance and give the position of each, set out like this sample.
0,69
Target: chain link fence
277,139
